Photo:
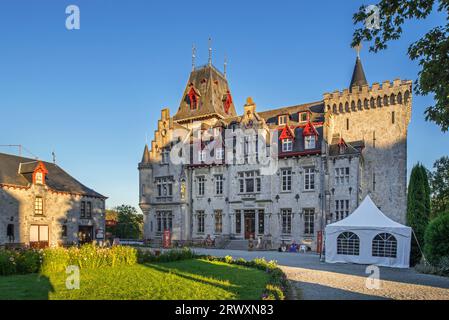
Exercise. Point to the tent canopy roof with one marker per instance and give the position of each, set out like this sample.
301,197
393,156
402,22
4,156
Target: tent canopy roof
367,215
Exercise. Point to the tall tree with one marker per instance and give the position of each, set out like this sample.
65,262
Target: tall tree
431,51
418,209
129,222
439,181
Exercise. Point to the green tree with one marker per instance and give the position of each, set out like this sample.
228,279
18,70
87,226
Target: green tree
437,239
439,181
431,51
129,222
418,208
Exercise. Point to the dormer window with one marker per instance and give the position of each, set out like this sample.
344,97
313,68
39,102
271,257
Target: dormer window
310,142
39,178
287,145
192,98
304,117
282,120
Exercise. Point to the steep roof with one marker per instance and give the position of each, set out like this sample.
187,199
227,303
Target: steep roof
56,179
358,75
211,89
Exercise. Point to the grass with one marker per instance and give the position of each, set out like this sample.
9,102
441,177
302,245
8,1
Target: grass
179,280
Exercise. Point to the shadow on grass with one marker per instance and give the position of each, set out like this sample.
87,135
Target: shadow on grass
25,287
244,283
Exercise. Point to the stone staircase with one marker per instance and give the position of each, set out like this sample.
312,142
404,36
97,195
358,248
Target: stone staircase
237,245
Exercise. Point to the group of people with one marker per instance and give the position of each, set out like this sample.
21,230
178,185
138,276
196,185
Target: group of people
294,247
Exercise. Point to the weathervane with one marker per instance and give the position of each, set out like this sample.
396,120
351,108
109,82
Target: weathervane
225,65
210,51
357,49
193,57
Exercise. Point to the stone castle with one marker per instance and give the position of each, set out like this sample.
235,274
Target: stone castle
329,155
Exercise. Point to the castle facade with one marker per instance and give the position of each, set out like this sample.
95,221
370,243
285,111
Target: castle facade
279,174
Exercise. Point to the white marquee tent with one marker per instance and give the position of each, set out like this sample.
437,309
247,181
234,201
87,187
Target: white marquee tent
367,236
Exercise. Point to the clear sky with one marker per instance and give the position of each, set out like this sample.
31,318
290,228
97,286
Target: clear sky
94,95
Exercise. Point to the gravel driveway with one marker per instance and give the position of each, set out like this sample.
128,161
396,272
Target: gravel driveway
318,280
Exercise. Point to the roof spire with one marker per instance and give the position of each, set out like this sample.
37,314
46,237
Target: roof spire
193,57
225,65
210,51
358,75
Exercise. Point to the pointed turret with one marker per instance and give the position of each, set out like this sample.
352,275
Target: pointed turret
358,76
146,155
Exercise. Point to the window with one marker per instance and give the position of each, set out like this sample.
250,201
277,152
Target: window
39,178
38,206
202,155
385,245
88,210
64,231
200,221
218,221
282,120
309,142
348,243
309,179
342,176
286,215
341,209
200,189
83,209
164,187
165,156
261,222
164,221
347,124
238,222
10,232
249,182
309,221
303,117
286,179
392,117
219,154
219,184
287,145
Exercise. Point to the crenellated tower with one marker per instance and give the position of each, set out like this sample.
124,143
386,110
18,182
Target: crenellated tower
378,115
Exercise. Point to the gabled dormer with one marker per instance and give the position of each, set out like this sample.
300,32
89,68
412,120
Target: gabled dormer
304,116
39,174
310,135
35,172
287,138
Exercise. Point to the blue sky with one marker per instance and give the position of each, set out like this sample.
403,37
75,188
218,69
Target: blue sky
94,95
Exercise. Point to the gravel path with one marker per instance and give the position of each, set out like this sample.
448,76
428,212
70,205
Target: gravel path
322,281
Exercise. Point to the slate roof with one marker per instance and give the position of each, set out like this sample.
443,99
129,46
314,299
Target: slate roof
316,109
358,76
353,147
56,179
212,88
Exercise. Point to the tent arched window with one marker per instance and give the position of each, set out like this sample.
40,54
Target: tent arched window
385,245
348,243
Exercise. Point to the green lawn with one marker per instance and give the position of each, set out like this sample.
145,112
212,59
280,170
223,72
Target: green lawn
188,279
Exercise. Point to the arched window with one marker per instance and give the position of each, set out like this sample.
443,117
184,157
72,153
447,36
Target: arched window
379,102
392,99
385,245
334,108
348,243
372,103
328,108
347,106
385,100
359,104
353,105
365,103
406,96
399,98
340,108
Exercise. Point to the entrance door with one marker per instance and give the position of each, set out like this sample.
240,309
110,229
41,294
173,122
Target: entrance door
39,236
85,234
250,224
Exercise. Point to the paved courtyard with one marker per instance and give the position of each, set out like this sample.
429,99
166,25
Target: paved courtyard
319,280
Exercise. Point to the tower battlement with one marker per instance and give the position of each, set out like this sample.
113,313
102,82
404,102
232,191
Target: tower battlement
364,97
